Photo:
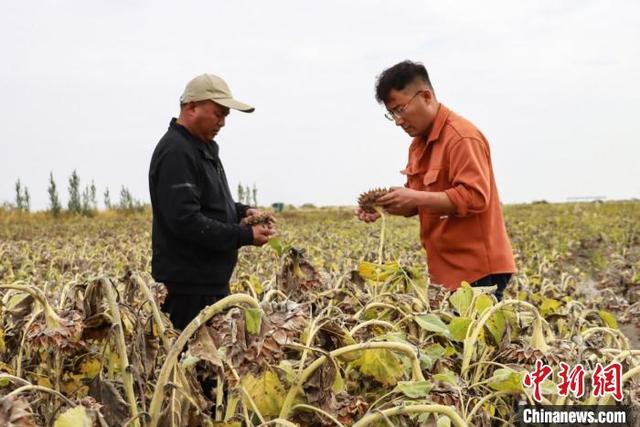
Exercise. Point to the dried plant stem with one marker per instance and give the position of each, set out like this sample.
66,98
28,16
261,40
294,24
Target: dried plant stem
372,322
14,379
22,342
382,229
617,335
470,341
30,387
219,398
162,332
481,402
403,348
155,311
121,346
378,305
278,422
412,409
172,356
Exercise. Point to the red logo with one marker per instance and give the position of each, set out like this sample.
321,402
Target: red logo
604,380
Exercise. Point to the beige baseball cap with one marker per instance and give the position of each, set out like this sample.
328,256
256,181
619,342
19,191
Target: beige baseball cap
209,86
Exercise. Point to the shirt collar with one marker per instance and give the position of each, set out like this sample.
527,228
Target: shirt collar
438,123
209,149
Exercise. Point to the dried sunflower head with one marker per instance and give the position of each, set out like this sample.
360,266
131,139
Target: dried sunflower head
520,354
58,332
263,219
367,201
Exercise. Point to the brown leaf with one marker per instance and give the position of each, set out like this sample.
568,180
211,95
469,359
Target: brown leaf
16,412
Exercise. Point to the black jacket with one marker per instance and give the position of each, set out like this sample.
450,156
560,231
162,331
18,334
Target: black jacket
196,232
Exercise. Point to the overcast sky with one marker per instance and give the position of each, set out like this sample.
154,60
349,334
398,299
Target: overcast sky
92,85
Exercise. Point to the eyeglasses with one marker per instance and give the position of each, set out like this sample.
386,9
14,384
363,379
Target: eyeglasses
399,111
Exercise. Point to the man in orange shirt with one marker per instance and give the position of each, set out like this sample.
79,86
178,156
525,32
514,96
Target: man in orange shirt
450,185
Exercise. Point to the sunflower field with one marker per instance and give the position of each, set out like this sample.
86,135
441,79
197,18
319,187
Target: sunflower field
333,323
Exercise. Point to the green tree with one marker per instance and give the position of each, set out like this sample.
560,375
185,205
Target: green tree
74,204
86,202
240,193
93,197
107,198
26,200
19,197
54,201
127,202
255,195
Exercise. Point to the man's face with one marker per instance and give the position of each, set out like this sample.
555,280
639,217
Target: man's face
207,119
413,109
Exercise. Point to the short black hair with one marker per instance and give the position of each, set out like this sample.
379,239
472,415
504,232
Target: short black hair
398,77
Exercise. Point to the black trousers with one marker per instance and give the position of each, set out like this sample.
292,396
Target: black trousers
182,309
501,280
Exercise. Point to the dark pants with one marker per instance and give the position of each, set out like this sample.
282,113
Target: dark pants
182,309
501,280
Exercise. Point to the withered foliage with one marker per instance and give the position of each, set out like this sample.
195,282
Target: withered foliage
333,287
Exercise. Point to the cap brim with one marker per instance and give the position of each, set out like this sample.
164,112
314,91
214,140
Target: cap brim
233,104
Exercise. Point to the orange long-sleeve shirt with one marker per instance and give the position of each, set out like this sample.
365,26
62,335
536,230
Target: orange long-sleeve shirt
472,242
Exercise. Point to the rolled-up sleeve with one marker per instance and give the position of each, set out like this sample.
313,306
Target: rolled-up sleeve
470,175
178,196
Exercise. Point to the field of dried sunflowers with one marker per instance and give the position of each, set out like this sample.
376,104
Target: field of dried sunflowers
335,323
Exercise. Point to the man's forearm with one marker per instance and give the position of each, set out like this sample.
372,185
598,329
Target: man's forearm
436,201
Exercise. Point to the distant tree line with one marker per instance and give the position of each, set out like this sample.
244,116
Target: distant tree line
81,201
248,196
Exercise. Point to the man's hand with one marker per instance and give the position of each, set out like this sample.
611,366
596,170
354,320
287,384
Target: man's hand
400,201
261,234
365,216
253,212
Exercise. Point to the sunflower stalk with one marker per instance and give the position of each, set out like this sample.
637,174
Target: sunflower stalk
121,347
403,348
155,407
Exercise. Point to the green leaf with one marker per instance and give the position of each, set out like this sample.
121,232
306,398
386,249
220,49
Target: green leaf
381,364
443,421
449,351
431,322
338,385
505,379
461,299
257,286
74,417
429,355
447,377
497,325
483,302
458,327
414,389
277,245
549,306
608,319
253,320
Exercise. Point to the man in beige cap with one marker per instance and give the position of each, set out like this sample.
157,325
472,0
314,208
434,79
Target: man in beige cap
196,223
